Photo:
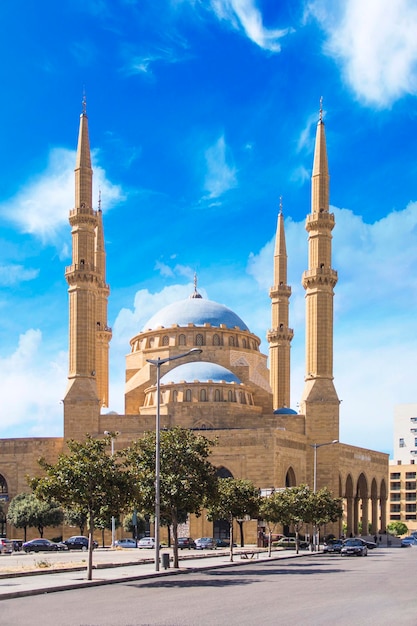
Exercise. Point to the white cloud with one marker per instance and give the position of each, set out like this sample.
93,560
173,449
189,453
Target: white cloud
221,174
31,387
40,208
375,43
14,274
244,15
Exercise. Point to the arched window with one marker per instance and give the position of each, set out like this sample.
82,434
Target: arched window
203,395
3,486
217,396
175,396
188,395
199,340
165,340
231,396
216,340
242,397
231,341
244,343
151,342
181,340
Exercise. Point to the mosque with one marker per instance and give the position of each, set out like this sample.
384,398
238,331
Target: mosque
227,391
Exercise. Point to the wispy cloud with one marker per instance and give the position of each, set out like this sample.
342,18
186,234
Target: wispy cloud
221,173
40,208
375,43
15,274
244,15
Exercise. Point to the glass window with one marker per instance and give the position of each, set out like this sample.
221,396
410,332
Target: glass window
165,340
181,340
199,341
401,442
216,340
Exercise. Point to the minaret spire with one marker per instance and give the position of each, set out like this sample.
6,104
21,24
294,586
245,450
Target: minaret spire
81,402
320,403
280,335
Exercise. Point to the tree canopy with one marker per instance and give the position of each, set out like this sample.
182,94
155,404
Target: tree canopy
87,480
187,478
26,510
235,499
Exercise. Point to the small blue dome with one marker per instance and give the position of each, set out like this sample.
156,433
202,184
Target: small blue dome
196,311
201,371
285,410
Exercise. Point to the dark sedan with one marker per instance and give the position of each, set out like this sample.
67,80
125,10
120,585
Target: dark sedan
186,542
43,545
78,542
354,547
333,546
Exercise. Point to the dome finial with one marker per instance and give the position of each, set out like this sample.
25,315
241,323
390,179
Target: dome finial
195,294
84,102
321,110
280,205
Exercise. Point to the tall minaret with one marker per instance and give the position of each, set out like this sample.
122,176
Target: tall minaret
103,332
82,402
280,335
320,403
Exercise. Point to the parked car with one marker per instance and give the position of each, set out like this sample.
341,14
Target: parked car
222,543
78,542
205,543
146,542
126,543
186,542
333,546
369,544
6,546
354,547
17,544
409,541
289,542
43,545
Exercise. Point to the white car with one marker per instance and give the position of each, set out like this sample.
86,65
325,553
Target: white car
146,542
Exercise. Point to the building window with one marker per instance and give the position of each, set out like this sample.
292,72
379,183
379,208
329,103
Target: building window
395,476
216,340
243,343
231,341
188,395
175,396
203,395
395,508
165,340
395,497
411,517
401,442
395,486
410,508
151,342
395,517
199,340
409,475
410,486
231,396
410,496
242,397
217,396
181,340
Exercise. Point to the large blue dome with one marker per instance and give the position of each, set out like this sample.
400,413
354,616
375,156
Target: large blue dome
202,371
196,311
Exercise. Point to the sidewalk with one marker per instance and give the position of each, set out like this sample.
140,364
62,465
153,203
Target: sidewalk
35,583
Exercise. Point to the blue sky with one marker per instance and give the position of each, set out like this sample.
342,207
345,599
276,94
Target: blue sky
202,114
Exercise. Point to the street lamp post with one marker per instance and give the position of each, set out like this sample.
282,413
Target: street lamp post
113,521
315,446
158,362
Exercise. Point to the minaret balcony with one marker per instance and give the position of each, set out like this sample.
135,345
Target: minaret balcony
321,220
282,333
319,276
280,290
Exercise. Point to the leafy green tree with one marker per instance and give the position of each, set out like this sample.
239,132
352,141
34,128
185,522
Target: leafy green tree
20,512
26,510
87,479
324,508
187,478
130,526
273,510
235,499
76,519
397,528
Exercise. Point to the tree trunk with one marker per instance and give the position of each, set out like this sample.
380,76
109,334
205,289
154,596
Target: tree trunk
175,537
231,539
90,546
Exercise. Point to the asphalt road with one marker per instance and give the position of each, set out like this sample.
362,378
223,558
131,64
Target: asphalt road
320,590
